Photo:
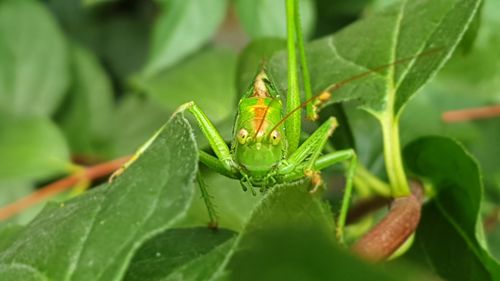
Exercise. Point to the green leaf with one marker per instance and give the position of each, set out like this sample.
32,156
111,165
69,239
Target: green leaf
459,252
94,236
33,69
399,31
86,115
253,58
31,148
290,237
232,205
167,255
465,82
207,78
267,18
8,234
182,28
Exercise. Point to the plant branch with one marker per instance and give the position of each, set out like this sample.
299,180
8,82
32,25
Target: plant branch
471,114
393,230
86,174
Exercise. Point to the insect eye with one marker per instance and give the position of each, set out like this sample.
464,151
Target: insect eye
275,137
242,136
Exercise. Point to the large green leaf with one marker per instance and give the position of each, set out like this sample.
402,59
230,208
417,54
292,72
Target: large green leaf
86,116
207,79
31,148
267,18
33,68
182,28
168,255
94,236
290,237
399,31
450,236
466,82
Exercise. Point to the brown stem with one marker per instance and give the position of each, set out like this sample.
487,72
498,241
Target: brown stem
471,114
393,230
365,207
491,220
89,173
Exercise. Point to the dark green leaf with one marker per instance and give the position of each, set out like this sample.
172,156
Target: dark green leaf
33,68
207,79
399,31
8,233
450,236
267,18
166,255
31,148
232,204
183,27
86,116
94,236
290,237
253,58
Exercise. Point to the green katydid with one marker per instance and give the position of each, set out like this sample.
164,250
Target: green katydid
265,149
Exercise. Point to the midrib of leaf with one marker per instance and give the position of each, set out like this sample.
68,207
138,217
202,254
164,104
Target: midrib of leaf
390,122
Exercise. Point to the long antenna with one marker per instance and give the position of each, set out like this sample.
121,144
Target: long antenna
338,85
325,95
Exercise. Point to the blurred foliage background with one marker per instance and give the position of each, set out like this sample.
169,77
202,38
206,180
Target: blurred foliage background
86,81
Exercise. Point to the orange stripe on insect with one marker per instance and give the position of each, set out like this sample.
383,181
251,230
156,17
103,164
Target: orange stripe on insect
259,120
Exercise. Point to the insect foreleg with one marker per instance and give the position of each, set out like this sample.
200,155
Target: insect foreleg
310,149
207,199
225,160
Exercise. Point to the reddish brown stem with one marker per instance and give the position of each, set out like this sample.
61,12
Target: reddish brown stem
471,114
393,230
365,207
89,173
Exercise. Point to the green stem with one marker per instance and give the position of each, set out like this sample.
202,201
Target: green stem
292,124
311,115
366,178
392,155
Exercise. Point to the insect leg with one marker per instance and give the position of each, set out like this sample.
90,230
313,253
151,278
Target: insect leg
216,142
331,159
310,149
326,161
212,213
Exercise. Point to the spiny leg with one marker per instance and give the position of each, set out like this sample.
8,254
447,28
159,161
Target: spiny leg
222,164
306,160
326,161
214,138
212,213
310,149
329,160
